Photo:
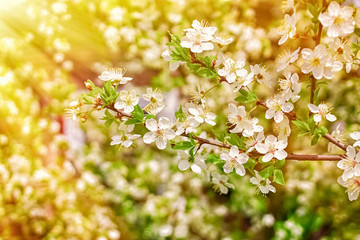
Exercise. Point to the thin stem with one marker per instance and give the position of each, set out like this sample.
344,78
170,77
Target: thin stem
335,141
211,89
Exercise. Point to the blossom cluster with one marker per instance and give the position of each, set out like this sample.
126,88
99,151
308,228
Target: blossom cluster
244,144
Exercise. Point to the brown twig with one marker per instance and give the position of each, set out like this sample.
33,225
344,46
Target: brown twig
335,141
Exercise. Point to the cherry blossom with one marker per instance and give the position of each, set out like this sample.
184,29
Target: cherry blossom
241,123
290,86
350,164
198,38
321,112
221,182
286,58
319,63
272,148
264,186
127,101
234,159
288,28
125,140
160,132
352,185
277,106
356,136
116,76
338,20
232,69
197,166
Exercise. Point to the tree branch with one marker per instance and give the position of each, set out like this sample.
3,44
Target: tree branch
291,156
335,141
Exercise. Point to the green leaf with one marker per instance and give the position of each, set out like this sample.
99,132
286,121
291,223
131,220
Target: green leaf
150,116
302,126
250,164
246,97
323,130
191,152
208,60
138,113
279,177
280,163
184,145
267,172
219,135
108,122
315,139
180,115
213,158
133,121
235,140
202,71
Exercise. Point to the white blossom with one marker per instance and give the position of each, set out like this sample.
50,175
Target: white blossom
277,106
201,114
187,126
127,101
198,38
272,147
264,186
338,20
115,76
321,112
232,69
160,132
350,164
286,58
197,166
221,182
339,135
222,39
319,63
241,123
155,99
125,140
287,28
260,74
290,86
352,185
252,142
167,57
234,159
356,136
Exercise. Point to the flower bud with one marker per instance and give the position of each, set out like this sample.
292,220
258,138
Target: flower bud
75,104
88,86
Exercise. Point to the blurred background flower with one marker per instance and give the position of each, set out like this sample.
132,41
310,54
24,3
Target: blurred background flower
61,181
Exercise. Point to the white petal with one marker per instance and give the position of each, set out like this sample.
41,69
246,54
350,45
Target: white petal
280,154
355,135
317,118
240,170
161,142
279,116
151,124
261,148
196,169
313,108
164,123
330,117
149,137
267,157
183,165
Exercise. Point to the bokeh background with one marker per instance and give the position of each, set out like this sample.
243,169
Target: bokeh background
62,180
